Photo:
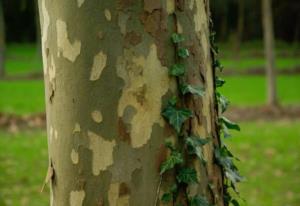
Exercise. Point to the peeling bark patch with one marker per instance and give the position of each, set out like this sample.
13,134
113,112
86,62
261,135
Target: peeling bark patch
74,157
52,71
98,66
150,5
107,14
102,152
45,26
116,195
77,197
69,51
133,38
79,3
170,6
97,116
146,81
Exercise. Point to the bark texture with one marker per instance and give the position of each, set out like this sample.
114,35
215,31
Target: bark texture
269,51
2,40
106,79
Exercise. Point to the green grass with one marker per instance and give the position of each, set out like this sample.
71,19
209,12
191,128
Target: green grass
270,155
250,90
23,168
22,59
22,97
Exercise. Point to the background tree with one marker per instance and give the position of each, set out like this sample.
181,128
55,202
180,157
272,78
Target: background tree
2,40
107,81
267,20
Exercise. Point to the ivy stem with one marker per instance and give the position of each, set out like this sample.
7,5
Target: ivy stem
158,190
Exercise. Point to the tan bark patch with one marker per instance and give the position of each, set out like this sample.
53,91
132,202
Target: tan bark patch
45,26
107,14
98,66
170,6
116,197
77,197
150,5
102,152
191,4
74,157
52,71
77,128
69,51
122,21
79,3
97,116
146,81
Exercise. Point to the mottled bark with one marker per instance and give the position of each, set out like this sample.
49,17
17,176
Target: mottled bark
2,40
106,79
267,20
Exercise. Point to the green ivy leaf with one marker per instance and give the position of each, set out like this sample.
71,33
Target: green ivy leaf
194,146
177,70
176,117
199,201
219,82
177,38
229,124
183,53
225,159
235,202
172,101
187,175
196,90
174,159
223,101
166,197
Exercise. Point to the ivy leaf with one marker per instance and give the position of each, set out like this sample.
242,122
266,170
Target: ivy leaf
219,82
217,64
174,159
166,197
176,117
177,38
183,53
225,159
196,90
187,176
223,101
229,124
194,146
199,201
177,70
235,202
172,101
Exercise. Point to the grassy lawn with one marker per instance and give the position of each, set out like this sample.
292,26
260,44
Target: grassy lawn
22,59
270,155
250,90
23,168
22,97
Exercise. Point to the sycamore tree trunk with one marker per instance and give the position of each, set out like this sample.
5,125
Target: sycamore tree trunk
269,52
106,79
2,40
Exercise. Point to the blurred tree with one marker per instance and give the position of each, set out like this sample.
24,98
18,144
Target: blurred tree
2,41
106,76
267,22
240,27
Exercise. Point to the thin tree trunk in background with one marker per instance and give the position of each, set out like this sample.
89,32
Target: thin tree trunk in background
38,29
240,27
269,52
2,41
106,81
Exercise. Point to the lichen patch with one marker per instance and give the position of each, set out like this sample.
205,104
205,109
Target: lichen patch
79,3
146,81
97,116
74,156
99,64
77,197
107,14
102,152
69,50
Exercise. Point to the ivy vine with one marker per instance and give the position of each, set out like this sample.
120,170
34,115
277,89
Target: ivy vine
176,114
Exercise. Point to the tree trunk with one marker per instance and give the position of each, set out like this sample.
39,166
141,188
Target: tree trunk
106,78
269,52
240,27
2,41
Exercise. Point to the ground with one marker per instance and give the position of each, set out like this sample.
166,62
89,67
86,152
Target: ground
268,148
